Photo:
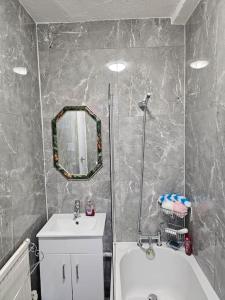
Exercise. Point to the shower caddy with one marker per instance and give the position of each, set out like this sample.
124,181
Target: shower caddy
173,223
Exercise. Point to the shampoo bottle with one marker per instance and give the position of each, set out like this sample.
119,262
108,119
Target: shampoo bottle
188,244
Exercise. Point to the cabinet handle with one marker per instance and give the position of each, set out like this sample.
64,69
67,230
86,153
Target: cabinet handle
77,272
63,272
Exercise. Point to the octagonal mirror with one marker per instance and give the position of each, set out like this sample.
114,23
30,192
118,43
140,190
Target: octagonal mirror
77,142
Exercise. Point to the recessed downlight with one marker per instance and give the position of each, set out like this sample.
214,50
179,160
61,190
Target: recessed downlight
116,66
20,70
199,64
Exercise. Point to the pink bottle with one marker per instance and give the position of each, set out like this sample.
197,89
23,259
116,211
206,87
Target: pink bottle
90,209
188,244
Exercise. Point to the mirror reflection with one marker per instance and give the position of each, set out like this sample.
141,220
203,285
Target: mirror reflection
77,142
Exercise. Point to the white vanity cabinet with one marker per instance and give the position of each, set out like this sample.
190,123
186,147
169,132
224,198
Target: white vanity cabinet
72,267
56,277
87,274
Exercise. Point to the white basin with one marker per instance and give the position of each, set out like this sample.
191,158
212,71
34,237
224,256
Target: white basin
63,225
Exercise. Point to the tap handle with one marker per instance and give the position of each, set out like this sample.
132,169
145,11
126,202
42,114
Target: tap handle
77,205
159,243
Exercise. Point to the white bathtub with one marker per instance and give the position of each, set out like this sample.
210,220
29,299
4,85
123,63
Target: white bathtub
172,275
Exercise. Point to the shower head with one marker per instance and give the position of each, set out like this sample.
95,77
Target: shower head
143,104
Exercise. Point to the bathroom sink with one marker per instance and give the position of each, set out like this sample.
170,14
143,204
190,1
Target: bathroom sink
63,225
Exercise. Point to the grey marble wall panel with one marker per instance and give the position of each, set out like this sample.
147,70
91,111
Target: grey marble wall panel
22,199
73,71
159,70
205,127
139,33
75,77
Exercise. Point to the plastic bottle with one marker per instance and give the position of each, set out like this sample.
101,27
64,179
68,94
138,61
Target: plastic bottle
188,244
90,209
34,295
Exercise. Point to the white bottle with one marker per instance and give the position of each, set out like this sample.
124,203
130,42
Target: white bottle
34,295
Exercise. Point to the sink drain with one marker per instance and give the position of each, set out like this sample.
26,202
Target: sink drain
152,297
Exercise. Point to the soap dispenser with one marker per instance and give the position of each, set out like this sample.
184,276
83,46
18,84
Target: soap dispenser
90,208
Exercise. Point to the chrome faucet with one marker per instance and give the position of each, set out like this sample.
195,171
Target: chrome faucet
149,251
157,238
149,239
76,212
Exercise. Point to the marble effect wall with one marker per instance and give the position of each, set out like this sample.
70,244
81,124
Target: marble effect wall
73,61
73,72
22,193
154,51
205,138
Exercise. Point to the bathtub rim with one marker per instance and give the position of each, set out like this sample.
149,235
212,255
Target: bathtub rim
120,249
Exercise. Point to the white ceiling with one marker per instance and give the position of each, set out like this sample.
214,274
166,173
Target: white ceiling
57,11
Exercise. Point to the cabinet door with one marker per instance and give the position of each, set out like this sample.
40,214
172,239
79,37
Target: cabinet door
56,277
87,277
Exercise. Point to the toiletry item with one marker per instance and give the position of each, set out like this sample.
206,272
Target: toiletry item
179,209
184,200
188,244
168,205
34,295
175,198
90,209
182,231
174,245
164,197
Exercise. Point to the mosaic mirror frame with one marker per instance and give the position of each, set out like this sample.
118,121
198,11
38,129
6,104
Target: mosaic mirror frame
56,158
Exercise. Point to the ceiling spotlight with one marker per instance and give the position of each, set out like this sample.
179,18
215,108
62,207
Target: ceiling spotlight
20,70
199,64
116,66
